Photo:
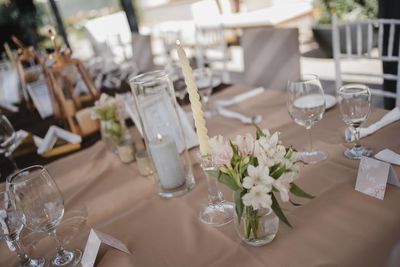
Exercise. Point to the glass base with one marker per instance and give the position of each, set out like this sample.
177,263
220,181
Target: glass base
179,191
34,263
312,157
217,215
357,152
69,258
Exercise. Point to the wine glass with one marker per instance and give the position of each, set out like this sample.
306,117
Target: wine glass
204,82
7,139
355,105
306,105
175,73
10,229
41,204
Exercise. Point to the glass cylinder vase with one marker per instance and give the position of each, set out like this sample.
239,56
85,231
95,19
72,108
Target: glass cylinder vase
256,227
161,128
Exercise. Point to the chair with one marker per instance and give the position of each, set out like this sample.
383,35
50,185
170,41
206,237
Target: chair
142,53
356,48
169,38
211,48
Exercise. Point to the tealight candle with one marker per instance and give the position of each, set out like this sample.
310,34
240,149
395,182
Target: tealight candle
167,162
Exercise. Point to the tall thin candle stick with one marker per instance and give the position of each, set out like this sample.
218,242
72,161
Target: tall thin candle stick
194,97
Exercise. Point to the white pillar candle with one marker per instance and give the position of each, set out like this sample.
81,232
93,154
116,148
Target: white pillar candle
167,162
194,97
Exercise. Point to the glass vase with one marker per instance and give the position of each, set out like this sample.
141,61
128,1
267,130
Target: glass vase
161,128
256,227
114,133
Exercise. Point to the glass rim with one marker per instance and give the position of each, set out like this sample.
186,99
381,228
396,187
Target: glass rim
10,178
362,87
305,78
156,75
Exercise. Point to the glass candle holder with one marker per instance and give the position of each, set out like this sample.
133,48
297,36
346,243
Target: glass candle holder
165,141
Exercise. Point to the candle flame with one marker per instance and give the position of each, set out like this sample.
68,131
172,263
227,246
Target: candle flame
159,137
178,43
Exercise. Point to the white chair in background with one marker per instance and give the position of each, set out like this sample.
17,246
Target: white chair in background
211,48
168,38
357,49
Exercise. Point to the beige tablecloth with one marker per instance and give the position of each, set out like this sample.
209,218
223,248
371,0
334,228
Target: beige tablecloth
340,227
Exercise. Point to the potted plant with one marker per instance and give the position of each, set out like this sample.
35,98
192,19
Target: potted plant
345,10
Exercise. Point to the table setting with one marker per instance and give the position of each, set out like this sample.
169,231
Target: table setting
251,191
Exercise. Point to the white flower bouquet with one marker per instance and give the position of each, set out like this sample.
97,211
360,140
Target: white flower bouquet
256,169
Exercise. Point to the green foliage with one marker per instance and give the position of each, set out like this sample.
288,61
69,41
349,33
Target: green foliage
297,191
350,10
278,211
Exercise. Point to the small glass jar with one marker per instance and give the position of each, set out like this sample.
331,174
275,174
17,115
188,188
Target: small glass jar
257,227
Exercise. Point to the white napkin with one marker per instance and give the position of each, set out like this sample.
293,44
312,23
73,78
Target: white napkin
53,134
389,118
239,98
8,106
389,156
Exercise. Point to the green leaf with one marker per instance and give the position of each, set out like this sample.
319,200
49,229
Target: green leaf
225,179
278,172
297,191
294,203
259,132
278,211
239,203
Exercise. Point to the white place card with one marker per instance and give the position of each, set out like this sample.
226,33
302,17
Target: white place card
373,175
95,240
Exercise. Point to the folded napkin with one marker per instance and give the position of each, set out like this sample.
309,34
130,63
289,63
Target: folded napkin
53,134
239,98
389,118
8,106
389,156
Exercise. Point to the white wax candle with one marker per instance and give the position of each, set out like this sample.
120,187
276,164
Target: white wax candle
194,97
167,162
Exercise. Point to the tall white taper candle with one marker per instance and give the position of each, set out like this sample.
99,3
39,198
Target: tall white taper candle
194,97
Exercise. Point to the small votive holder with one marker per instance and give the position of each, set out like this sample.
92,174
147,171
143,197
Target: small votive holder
144,163
126,151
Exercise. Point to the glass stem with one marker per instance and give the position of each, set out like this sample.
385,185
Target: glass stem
23,257
59,248
357,137
310,137
215,196
11,159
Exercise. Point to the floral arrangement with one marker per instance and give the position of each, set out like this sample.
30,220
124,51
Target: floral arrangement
108,110
256,169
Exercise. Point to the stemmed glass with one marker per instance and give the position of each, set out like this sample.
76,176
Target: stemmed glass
175,73
218,212
7,139
306,105
355,105
11,227
41,204
204,82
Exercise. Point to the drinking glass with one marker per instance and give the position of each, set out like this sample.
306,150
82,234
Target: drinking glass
306,105
204,82
7,139
355,104
41,204
11,227
175,73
